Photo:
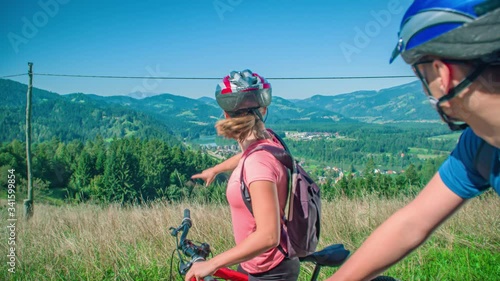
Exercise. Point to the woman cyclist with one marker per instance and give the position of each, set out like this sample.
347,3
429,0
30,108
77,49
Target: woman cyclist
454,49
260,250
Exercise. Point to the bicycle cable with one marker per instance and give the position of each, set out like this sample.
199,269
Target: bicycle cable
171,264
181,260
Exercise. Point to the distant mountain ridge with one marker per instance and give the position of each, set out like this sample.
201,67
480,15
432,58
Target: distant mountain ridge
141,95
187,117
76,116
71,116
401,103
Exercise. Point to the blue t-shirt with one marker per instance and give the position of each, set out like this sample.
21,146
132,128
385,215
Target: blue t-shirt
458,171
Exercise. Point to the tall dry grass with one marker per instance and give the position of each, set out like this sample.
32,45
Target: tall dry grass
348,220
89,242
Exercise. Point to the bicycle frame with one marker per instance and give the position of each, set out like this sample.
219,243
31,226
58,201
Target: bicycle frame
229,274
331,256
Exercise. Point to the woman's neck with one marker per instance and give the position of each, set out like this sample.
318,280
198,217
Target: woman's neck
250,140
247,142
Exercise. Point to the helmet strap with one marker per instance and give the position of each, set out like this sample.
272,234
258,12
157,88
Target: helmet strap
256,111
464,83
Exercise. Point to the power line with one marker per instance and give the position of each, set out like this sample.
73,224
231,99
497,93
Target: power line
114,76
14,75
211,78
341,77
218,78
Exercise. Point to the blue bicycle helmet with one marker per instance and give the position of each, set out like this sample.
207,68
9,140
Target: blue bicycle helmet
463,30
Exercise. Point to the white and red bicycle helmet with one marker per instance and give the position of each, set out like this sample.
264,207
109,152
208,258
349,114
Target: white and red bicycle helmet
242,91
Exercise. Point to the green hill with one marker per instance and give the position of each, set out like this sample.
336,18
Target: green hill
397,104
76,116
186,117
190,118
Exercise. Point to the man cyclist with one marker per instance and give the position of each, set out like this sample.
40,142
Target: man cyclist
454,49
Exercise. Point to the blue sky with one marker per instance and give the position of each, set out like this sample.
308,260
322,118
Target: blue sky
201,39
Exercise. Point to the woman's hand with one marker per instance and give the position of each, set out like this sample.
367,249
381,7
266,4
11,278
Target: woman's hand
207,175
200,270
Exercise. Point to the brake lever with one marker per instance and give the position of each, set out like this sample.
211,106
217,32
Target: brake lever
184,267
174,231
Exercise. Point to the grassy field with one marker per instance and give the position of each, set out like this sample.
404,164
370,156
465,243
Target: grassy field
452,136
89,242
424,153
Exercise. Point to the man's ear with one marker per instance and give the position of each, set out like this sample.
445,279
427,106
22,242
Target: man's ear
226,115
444,74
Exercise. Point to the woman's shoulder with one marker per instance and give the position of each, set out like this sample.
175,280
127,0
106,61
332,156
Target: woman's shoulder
263,158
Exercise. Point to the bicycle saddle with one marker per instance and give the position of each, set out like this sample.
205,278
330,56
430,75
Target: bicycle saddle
333,255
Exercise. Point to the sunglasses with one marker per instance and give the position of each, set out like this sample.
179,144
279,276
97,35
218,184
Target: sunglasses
422,78
453,123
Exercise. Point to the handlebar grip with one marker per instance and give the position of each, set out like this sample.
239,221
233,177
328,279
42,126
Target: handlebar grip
187,218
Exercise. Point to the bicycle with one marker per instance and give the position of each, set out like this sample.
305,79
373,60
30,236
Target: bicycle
331,256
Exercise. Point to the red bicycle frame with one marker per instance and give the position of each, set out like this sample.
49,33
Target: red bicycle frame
229,274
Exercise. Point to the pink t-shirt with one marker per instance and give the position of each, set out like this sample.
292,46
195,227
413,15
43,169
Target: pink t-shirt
259,166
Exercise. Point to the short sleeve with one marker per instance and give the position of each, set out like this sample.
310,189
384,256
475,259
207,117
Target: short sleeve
262,166
458,172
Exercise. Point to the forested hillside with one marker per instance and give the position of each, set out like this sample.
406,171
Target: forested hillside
71,117
83,116
401,103
125,171
122,149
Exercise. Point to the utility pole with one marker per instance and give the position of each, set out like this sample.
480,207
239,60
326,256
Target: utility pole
28,203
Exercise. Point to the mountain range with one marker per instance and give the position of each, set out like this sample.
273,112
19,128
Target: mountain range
83,116
69,117
401,103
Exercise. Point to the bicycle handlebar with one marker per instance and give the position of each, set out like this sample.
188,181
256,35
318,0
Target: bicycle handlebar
185,225
188,248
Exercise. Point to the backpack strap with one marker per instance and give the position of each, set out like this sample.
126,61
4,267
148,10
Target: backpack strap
282,142
482,161
281,155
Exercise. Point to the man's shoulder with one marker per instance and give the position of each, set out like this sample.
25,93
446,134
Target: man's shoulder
468,144
459,172
469,135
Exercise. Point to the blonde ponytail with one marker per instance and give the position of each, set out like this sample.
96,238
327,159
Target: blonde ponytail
240,127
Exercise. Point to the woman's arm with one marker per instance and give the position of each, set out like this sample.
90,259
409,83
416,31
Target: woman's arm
209,174
266,236
401,233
